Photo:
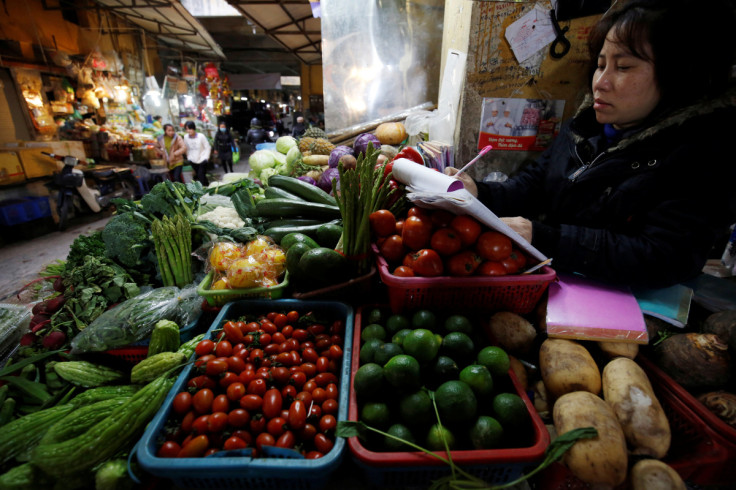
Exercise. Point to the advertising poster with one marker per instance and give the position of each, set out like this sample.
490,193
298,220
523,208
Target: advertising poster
519,124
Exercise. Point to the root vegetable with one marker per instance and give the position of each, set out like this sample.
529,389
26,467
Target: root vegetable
54,340
512,332
651,474
721,403
626,388
567,366
696,361
619,349
723,324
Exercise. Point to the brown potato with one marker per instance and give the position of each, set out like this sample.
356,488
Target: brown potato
627,389
652,474
512,332
567,366
619,349
601,460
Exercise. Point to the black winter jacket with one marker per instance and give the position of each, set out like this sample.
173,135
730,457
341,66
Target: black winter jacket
645,211
224,144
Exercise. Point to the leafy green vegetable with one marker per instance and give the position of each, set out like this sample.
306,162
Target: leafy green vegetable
85,245
127,238
243,204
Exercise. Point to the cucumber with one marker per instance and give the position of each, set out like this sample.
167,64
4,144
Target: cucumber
296,222
279,232
276,192
293,238
305,190
288,208
323,266
329,234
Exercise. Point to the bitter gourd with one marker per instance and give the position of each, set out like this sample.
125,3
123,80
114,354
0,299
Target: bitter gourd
80,420
24,477
21,435
87,374
187,348
94,395
164,338
107,437
153,367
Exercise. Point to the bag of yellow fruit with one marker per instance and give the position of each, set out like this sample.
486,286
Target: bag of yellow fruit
222,254
247,272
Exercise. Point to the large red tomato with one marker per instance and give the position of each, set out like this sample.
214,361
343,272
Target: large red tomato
493,245
467,227
446,241
392,248
491,268
464,263
383,222
416,232
410,154
425,262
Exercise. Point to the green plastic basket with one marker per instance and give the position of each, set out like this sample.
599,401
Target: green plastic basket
220,297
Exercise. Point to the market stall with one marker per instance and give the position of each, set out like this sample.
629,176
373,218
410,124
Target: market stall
269,322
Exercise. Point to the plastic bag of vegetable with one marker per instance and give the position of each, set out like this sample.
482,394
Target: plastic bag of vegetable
134,319
14,321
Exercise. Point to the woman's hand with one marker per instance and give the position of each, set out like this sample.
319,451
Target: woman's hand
467,181
520,225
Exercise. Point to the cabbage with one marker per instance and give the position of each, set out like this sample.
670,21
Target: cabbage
261,160
338,152
325,180
360,145
285,143
266,173
279,157
308,179
293,155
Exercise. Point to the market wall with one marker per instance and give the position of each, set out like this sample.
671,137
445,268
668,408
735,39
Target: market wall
492,71
312,88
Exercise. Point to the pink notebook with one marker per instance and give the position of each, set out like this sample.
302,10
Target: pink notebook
584,309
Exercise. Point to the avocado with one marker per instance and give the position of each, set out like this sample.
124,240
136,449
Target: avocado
323,265
288,240
329,234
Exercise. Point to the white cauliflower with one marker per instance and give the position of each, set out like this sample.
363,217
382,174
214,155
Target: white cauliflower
224,217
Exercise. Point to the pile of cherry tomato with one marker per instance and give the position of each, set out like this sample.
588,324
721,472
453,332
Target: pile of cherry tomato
432,243
272,381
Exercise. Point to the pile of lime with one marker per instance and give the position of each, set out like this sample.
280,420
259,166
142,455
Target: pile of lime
405,359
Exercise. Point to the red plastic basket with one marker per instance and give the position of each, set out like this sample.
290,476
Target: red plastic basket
412,469
132,355
516,293
703,447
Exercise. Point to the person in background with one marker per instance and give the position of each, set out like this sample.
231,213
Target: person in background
224,143
171,148
299,128
639,184
157,122
256,134
198,152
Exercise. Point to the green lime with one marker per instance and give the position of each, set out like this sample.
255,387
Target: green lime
376,414
387,351
373,331
375,315
421,344
368,351
399,336
478,378
445,369
437,436
368,380
458,346
416,408
394,323
486,433
495,359
458,323
510,410
455,401
401,431
424,319
402,371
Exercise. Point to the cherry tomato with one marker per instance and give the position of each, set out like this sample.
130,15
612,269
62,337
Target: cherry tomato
416,233
252,403
278,338
491,268
286,440
272,402
304,396
188,421
323,379
310,355
169,449
257,387
329,406
316,328
251,327
280,320
221,403
202,400
297,415
309,369
382,222
392,248
307,432
309,386
238,417
298,379
216,366
210,452
467,227
323,443
425,262
257,424
233,443
287,331
403,271
327,422
256,356
236,391
410,153
265,439
244,435
217,422
202,361
204,347
276,426
182,402
233,332
224,349
315,412
300,334
493,245
235,364
441,218
280,374
228,378
195,448
247,376
265,338
319,395
323,364
313,455
463,263
201,424
288,393
446,241
333,392
269,327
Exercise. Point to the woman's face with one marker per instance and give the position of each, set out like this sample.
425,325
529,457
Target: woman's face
624,86
169,131
191,132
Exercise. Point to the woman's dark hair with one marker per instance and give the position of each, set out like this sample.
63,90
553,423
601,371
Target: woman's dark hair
190,125
167,125
692,44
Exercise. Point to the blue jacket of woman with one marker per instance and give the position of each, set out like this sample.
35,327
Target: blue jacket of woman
644,210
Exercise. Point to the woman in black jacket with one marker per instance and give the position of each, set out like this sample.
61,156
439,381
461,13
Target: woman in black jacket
224,144
640,183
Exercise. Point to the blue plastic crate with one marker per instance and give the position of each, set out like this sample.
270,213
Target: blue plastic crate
16,211
245,472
